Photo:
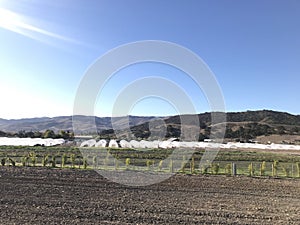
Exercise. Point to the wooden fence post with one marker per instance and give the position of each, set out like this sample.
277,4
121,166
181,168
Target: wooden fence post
233,168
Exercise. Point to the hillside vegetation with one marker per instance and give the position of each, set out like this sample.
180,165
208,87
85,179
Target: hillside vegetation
240,126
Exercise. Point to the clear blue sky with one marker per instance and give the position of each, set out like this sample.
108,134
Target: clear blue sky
253,48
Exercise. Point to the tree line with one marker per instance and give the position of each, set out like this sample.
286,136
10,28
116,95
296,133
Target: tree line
68,135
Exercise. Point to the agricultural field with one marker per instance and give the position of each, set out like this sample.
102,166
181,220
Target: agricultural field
57,185
66,196
247,162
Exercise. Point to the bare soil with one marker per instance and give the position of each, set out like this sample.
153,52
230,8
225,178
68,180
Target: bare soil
279,139
55,196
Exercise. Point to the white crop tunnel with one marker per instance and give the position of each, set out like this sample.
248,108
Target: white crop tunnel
30,141
113,144
125,144
102,143
135,144
88,143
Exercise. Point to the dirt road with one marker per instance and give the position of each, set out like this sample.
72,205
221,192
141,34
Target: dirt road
54,196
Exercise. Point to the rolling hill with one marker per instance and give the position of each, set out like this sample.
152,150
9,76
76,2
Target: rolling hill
65,123
240,126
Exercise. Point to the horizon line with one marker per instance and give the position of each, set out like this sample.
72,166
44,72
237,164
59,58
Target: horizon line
157,116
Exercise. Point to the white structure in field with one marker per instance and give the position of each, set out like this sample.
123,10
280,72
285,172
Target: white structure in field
151,144
30,141
147,144
170,143
134,144
165,144
113,144
102,143
88,143
125,144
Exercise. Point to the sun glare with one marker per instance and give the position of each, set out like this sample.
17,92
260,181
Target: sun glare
20,24
9,20
14,22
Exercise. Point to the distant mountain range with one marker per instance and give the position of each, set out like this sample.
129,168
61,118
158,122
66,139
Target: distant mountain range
240,125
65,123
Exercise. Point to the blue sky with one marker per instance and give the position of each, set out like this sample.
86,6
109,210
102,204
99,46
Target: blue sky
253,48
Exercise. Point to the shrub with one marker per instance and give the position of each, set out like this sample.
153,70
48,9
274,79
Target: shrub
148,164
24,160
160,165
63,160
275,168
251,169
262,168
216,168
45,160
85,163
127,163
33,158
228,169
72,159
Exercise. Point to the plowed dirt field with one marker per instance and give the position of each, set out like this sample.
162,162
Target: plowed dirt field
55,196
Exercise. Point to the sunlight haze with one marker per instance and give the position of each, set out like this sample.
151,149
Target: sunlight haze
252,47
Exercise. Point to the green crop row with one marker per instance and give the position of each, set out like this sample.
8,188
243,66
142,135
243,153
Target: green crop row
229,162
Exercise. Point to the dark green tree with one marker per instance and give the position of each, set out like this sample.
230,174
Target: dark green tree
49,134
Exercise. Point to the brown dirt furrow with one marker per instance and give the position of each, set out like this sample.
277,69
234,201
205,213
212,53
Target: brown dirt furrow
55,196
